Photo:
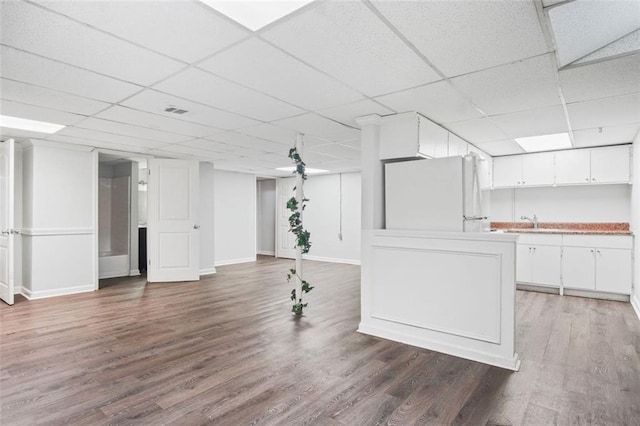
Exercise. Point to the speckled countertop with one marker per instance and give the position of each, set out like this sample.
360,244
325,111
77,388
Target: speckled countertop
616,228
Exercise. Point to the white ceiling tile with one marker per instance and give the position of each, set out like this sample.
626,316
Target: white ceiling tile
164,123
543,121
256,64
477,130
524,85
346,114
272,133
36,30
337,150
19,134
605,112
17,109
97,143
353,143
313,159
607,21
348,41
201,86
180,29
95,135
132,131
220,147
314,125
161,153
39,71
156,102
613,77
246,141
25,93
498,148
610,135
464,36
190,150
438,101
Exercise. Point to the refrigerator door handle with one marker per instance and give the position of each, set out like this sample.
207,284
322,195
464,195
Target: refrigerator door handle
474,217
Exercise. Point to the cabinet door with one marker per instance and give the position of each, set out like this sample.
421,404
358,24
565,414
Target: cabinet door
547,265
572,167
507,171
578,268
537,169
610,164
524,263
457,146
433,139
613,270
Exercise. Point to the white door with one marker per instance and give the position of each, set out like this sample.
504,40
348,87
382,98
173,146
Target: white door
7,197
578,268
613,270
547,265
173,230
285,240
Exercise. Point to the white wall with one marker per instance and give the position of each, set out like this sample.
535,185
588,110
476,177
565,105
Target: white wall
206,219
592,203
635,224
59,228
266,219
234,197
334,206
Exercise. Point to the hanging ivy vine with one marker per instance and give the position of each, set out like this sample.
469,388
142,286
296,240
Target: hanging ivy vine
302,235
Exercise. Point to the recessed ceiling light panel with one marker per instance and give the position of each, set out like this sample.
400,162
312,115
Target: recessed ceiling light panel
30,125
307,170
255,14
545,142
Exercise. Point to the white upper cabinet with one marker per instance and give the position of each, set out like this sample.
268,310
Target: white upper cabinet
433,139
572,167
610,164
457,146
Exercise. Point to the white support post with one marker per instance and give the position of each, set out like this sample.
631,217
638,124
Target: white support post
299,198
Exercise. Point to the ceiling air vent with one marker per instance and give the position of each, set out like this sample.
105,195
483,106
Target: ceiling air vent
175,110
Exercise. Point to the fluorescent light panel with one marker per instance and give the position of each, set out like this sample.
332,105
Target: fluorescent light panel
307,170
31,125
545,142
255,14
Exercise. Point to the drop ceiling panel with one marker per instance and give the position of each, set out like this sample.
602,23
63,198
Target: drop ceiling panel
625,45
190,150
464,36
346,40
156,122
94,135
200,86
524,85
47,98
156,102
180,29
31,28
346,114
133,131
605,112
438,101
6,133
543,121
17,109
315,159
614,77
272,133
498,148
39,71
336,150
607,21
477,130
246,141
256,64
610,135
220,147
97,143
314,125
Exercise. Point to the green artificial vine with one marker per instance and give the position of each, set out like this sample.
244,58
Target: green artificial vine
302,235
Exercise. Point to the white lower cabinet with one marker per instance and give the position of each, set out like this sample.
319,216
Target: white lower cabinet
613,270
538,260
578,268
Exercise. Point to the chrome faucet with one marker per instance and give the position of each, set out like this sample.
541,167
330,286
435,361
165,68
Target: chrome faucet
534,220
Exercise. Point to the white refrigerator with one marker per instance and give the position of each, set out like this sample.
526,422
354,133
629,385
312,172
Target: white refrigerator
440,194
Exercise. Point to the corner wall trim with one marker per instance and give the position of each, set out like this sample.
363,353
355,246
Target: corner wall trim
134,272
333,260
635,303
207,271
42,294
234,261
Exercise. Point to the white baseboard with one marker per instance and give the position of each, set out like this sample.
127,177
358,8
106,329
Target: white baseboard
113,275
134,272
207,271
635,302
234,261
32,295
266,253
332,260
512,363
596,295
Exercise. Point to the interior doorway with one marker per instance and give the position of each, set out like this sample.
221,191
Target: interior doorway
117,217
266,216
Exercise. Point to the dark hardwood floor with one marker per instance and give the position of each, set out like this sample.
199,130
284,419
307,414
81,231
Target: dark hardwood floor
227,351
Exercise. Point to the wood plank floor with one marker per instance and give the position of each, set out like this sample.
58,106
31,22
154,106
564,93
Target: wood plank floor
226,351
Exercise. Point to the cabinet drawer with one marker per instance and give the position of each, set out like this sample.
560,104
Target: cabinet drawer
603,241
544,240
